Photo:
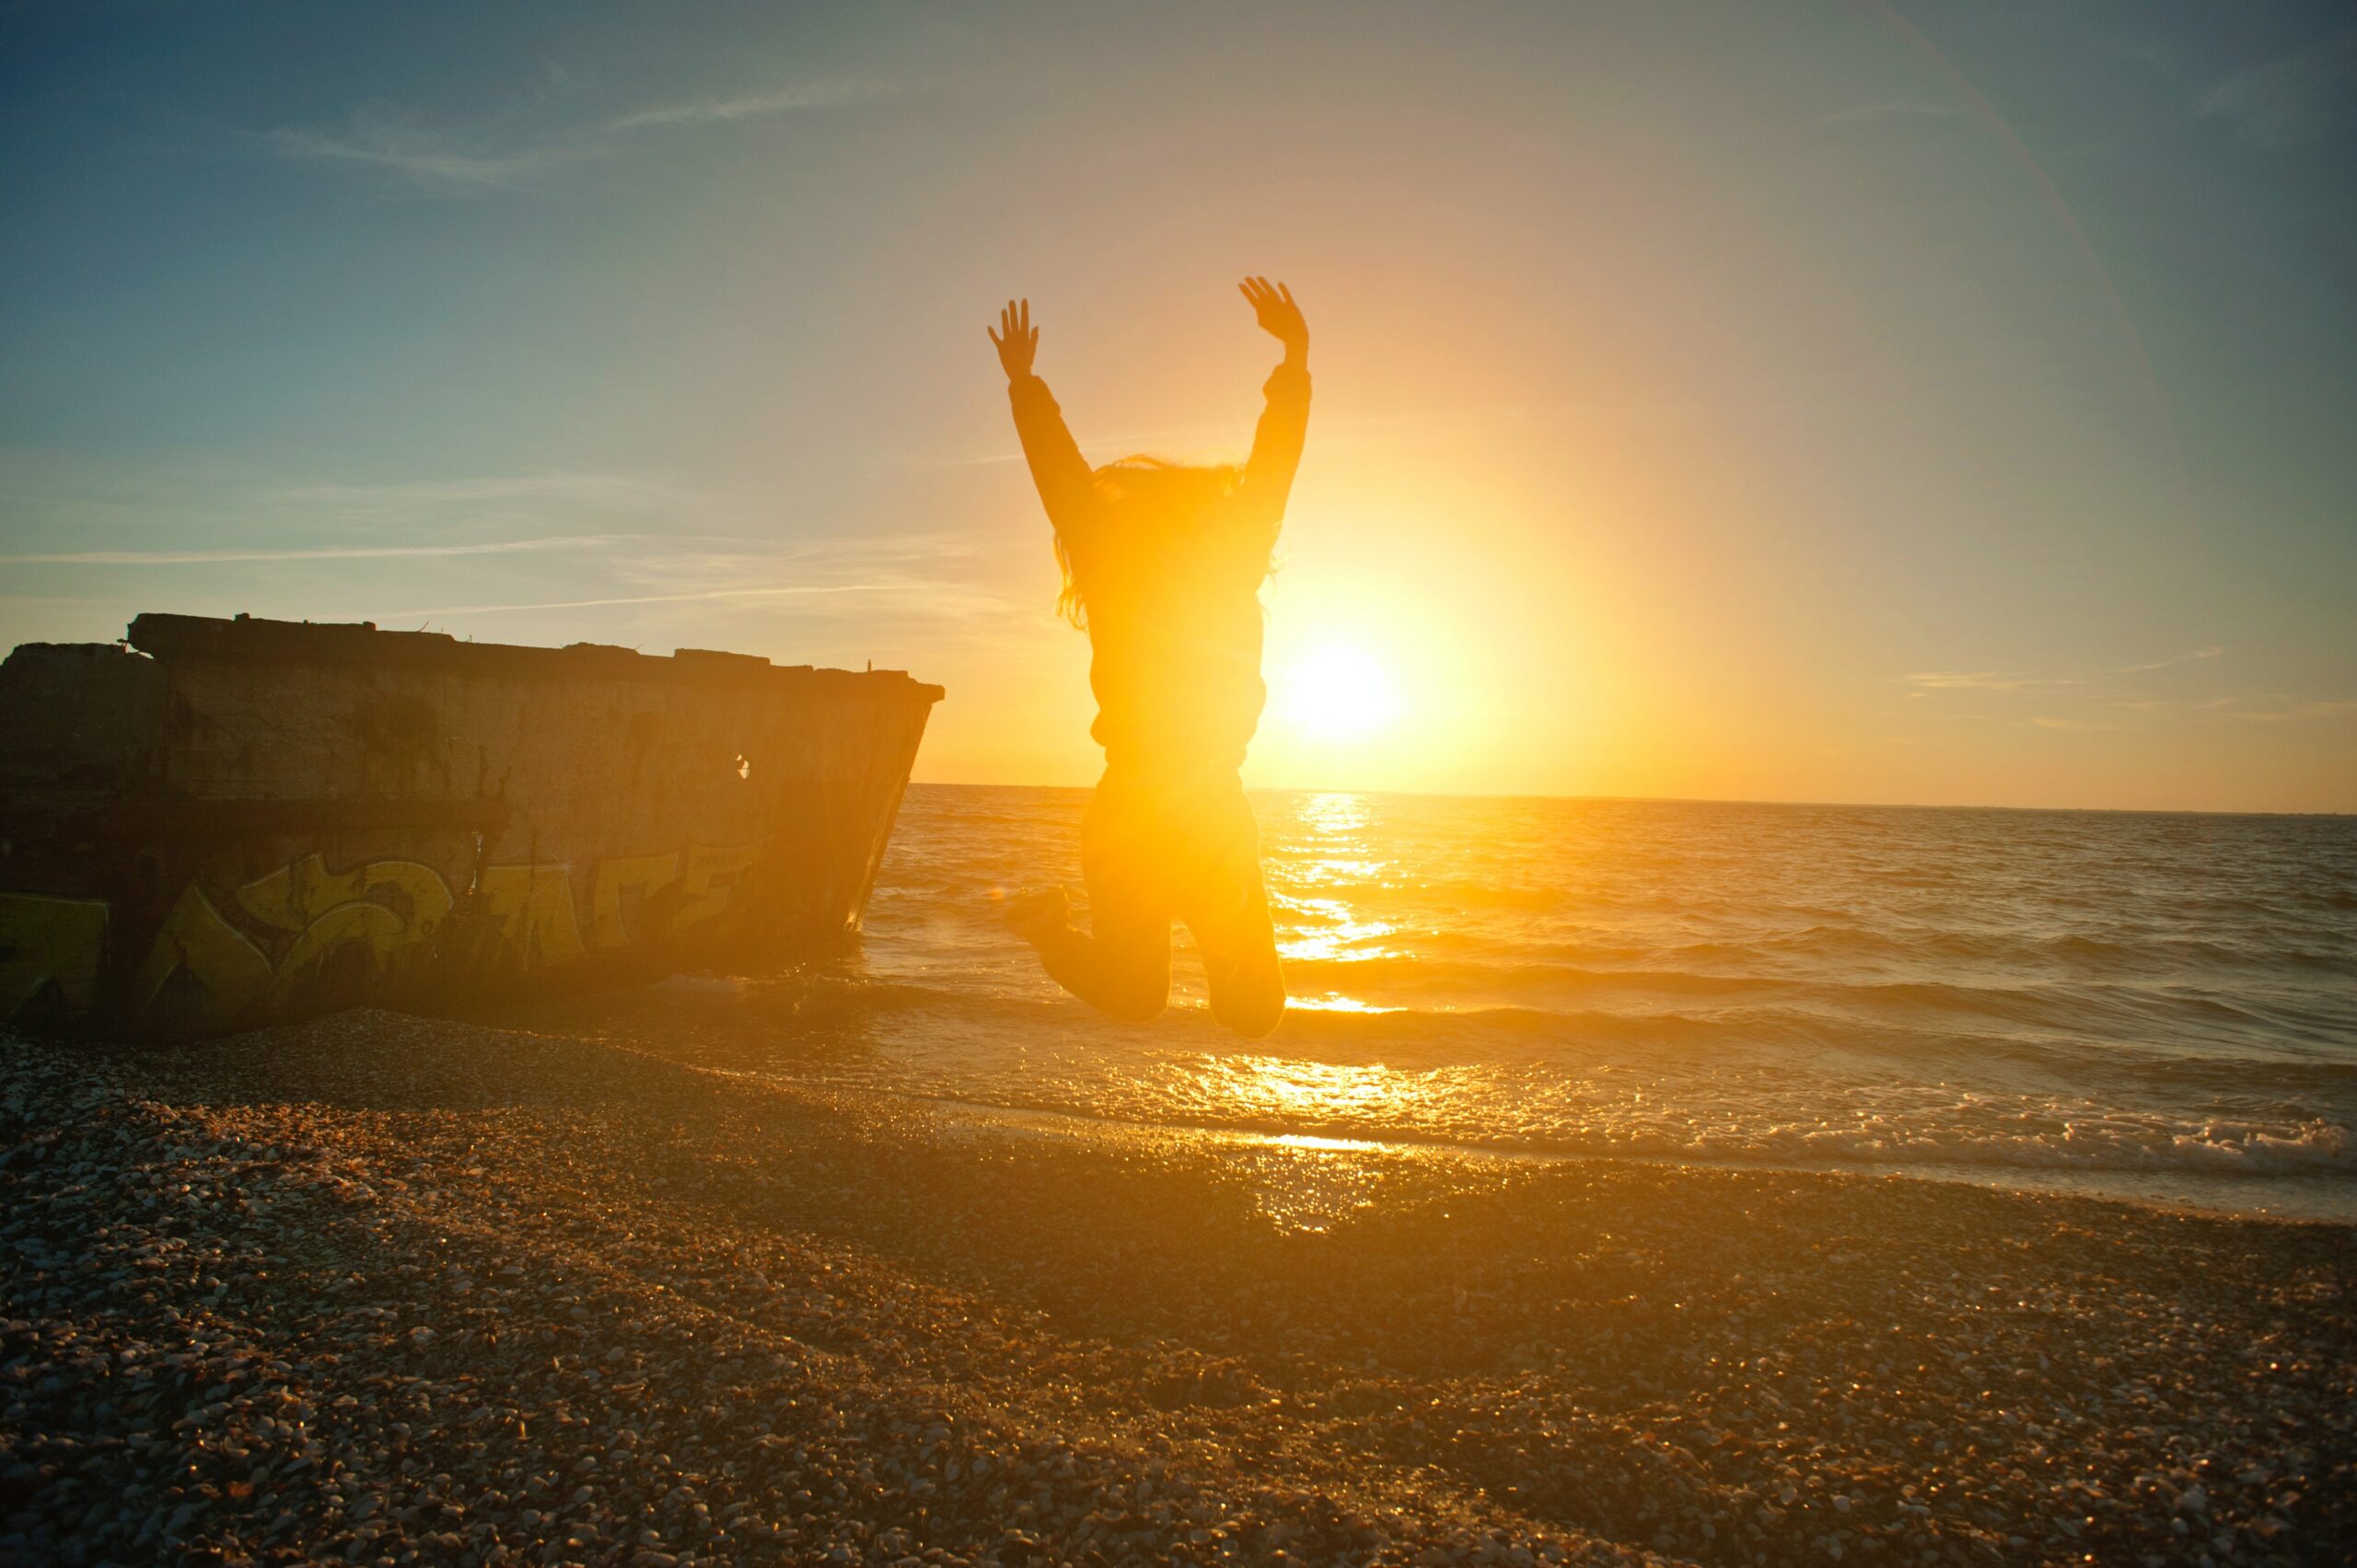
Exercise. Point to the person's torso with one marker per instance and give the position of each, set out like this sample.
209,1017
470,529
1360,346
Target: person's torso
1175,627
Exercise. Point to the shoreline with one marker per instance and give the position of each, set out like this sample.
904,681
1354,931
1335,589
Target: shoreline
2094,1185
407,1290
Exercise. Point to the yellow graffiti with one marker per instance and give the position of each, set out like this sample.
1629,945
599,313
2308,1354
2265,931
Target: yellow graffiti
45,941
377,914
644,875
530,907
382,907
229,972
711,879
296,895
372,927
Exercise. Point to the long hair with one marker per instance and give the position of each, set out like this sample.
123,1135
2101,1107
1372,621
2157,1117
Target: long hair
1143,493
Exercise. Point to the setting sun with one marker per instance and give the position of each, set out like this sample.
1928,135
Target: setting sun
1338,693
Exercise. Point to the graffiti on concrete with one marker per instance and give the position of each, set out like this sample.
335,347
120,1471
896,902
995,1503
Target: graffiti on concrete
303,895
307,929
709,880
640,897
50,948
625,886
204,958
527,916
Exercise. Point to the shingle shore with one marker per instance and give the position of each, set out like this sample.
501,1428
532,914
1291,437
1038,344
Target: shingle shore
390,1290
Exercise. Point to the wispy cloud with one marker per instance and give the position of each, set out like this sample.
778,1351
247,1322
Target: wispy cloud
927,574
2277,708
422,157
350,552
632,553
2002,680
1979,680
65,513
457,161
2290,103
2113,696
2207,651
639,492
722,110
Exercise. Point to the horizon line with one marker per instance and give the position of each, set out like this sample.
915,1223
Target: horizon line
1694,800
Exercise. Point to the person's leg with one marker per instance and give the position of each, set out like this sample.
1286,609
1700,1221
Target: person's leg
1226,904
1122,965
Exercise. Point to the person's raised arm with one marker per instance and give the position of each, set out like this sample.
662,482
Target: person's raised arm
1057,467
1284,424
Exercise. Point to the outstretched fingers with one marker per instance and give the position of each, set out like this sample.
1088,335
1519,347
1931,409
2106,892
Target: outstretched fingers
1015,337
1262,294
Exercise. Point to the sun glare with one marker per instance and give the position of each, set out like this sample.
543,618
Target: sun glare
1338,693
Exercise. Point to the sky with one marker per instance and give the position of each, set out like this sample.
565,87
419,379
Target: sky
1913,403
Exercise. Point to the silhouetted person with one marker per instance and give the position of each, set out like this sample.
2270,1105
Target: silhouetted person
1163,565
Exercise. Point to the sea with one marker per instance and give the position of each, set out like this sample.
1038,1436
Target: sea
2159,1007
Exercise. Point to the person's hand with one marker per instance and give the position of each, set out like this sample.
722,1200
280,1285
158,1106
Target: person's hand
1017,339
1279,317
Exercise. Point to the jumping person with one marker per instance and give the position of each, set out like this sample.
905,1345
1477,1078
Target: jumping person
1162,566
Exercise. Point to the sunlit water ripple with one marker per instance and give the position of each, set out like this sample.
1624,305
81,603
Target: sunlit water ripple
2151,1005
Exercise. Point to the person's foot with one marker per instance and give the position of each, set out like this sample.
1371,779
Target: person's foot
1034,912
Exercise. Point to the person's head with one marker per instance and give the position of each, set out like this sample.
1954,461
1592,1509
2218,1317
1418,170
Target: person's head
1140,494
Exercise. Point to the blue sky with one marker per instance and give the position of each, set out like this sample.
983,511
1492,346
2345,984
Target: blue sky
1927,403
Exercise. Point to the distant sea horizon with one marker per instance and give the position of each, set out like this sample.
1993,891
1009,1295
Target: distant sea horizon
1679,799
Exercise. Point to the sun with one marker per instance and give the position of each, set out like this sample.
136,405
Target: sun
1338,693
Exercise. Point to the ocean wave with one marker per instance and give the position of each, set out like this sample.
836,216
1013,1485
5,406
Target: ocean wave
2314,1148
2147,1148
2125,996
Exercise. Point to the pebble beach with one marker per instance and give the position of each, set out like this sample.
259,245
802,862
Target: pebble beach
393,1290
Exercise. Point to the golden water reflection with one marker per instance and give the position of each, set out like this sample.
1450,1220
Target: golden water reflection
1331,814
1339,935
1289,1089
1335,1003
1315,872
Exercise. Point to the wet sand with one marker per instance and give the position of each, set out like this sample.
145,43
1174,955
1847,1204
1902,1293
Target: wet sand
391,1290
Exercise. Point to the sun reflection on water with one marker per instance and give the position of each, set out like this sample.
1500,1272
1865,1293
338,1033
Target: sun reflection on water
1289,1089
1333,813
1324,1145
1315,872
1338,933
1335,1004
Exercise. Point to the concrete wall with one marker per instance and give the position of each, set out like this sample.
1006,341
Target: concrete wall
248,821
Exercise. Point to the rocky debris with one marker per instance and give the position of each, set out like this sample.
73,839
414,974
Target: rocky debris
397,1291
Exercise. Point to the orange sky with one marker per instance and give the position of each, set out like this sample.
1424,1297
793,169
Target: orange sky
1708,402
